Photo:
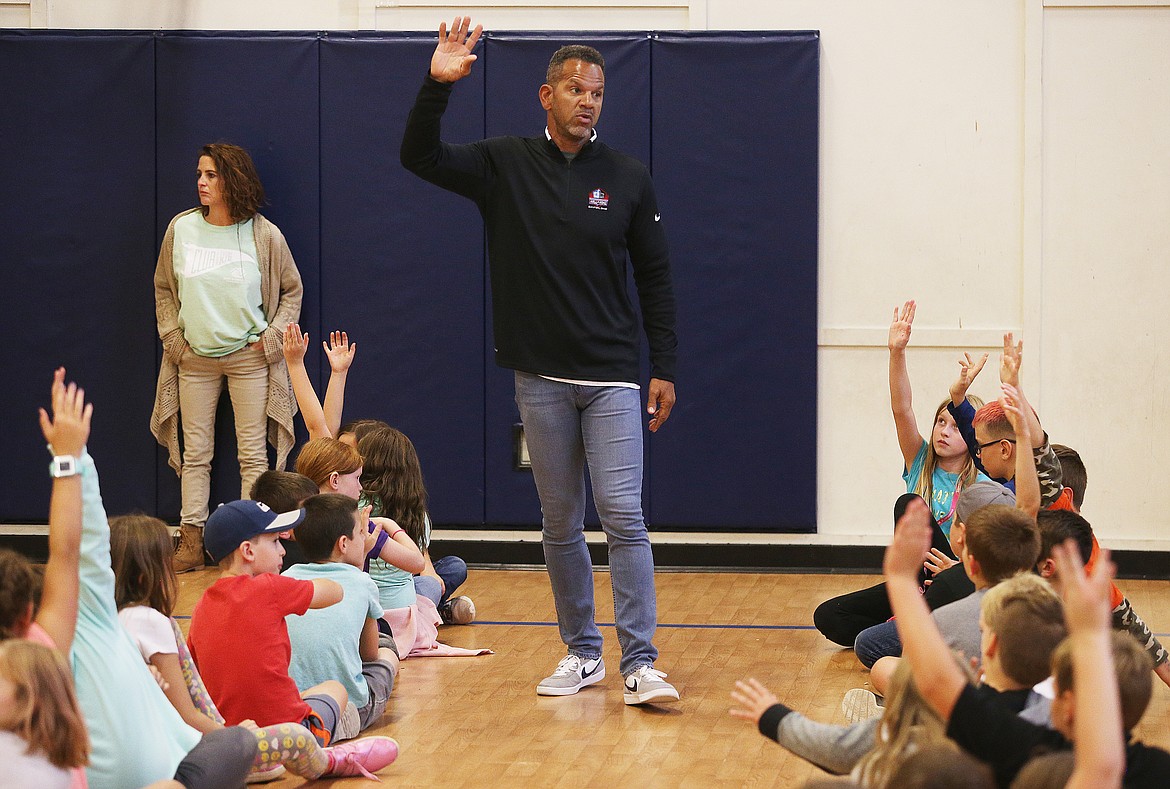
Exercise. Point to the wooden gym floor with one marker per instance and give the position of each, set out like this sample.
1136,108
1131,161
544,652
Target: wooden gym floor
477,722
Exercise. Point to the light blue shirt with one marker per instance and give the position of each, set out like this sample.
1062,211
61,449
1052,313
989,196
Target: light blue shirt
942,485
136,736
325,641
395,585
218,277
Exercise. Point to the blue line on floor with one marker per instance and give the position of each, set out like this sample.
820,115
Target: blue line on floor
679,626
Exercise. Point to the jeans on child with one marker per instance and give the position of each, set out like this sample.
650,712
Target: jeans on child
567,426
452,570
877,642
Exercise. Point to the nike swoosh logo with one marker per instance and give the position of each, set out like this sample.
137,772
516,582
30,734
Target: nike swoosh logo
657,217
587,674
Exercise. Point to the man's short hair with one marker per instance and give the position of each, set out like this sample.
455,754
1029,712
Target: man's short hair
328,518
1133,666
995,419
1003,539
282,491
1056,526
556,64
1072,472
1027,617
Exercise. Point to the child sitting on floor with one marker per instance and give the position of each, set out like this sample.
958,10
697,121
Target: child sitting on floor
284,491
146,590
341,642
238,636
42,734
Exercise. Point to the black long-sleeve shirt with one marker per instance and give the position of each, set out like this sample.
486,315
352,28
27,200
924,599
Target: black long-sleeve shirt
559,232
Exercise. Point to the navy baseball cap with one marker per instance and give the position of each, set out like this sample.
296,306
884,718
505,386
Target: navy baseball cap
237,521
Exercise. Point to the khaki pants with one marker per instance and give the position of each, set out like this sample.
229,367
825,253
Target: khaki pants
200,383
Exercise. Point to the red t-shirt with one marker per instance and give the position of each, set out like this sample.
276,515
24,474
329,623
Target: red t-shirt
240,643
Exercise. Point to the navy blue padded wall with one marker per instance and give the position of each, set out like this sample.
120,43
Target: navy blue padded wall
735,166
515,64
77,131
258,91
402,264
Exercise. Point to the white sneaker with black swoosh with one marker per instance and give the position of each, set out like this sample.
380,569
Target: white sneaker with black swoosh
570,675
645,684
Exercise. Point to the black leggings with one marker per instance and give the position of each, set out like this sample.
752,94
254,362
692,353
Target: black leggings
842,618
221,760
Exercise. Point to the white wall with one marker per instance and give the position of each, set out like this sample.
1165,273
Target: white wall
998,161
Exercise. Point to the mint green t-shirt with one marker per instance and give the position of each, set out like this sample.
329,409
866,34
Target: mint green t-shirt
218,277
325,641
395,585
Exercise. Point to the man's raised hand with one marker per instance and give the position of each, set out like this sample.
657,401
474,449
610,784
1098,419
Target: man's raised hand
452,59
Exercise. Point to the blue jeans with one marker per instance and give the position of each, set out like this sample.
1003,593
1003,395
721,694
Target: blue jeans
876,642
452,570
568,426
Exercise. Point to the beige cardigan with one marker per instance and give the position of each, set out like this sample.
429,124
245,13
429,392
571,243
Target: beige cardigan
280,294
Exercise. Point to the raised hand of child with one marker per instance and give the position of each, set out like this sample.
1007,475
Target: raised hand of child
911,542
900,327
1012,404
1010,360
339,351
968,370
753,700
68,430
296,345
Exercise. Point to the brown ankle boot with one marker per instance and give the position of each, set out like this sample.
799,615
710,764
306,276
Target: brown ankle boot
189,553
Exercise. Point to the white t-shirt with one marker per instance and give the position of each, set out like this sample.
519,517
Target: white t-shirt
23,770
150,631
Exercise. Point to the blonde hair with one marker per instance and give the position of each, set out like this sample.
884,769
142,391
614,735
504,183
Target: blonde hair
44,711
324,456
1027,617
908,725
924,487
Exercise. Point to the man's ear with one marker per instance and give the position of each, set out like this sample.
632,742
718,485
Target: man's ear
545,93
1046,568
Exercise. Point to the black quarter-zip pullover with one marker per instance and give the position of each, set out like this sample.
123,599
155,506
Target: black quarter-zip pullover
559,234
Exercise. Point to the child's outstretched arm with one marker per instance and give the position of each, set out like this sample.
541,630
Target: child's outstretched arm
1009,373
901,398
1027,482
295,347
1097,725
935,673
66,433
400,550
960,410
326,593
340,353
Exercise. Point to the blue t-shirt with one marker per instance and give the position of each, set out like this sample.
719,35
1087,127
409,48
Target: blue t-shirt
942,484
325,641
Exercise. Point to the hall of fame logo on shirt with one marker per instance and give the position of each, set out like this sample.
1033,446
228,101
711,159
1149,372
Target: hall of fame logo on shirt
599,199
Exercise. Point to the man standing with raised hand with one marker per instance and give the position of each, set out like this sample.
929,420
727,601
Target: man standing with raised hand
563,212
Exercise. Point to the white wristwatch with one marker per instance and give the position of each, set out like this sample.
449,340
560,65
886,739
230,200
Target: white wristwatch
63,466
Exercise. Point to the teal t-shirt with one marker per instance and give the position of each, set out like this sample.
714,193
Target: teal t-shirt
395,585
218,277
943,485
325,640
136,736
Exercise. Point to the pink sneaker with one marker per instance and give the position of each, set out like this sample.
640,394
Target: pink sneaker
361,757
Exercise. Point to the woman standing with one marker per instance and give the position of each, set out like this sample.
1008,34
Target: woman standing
224,289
